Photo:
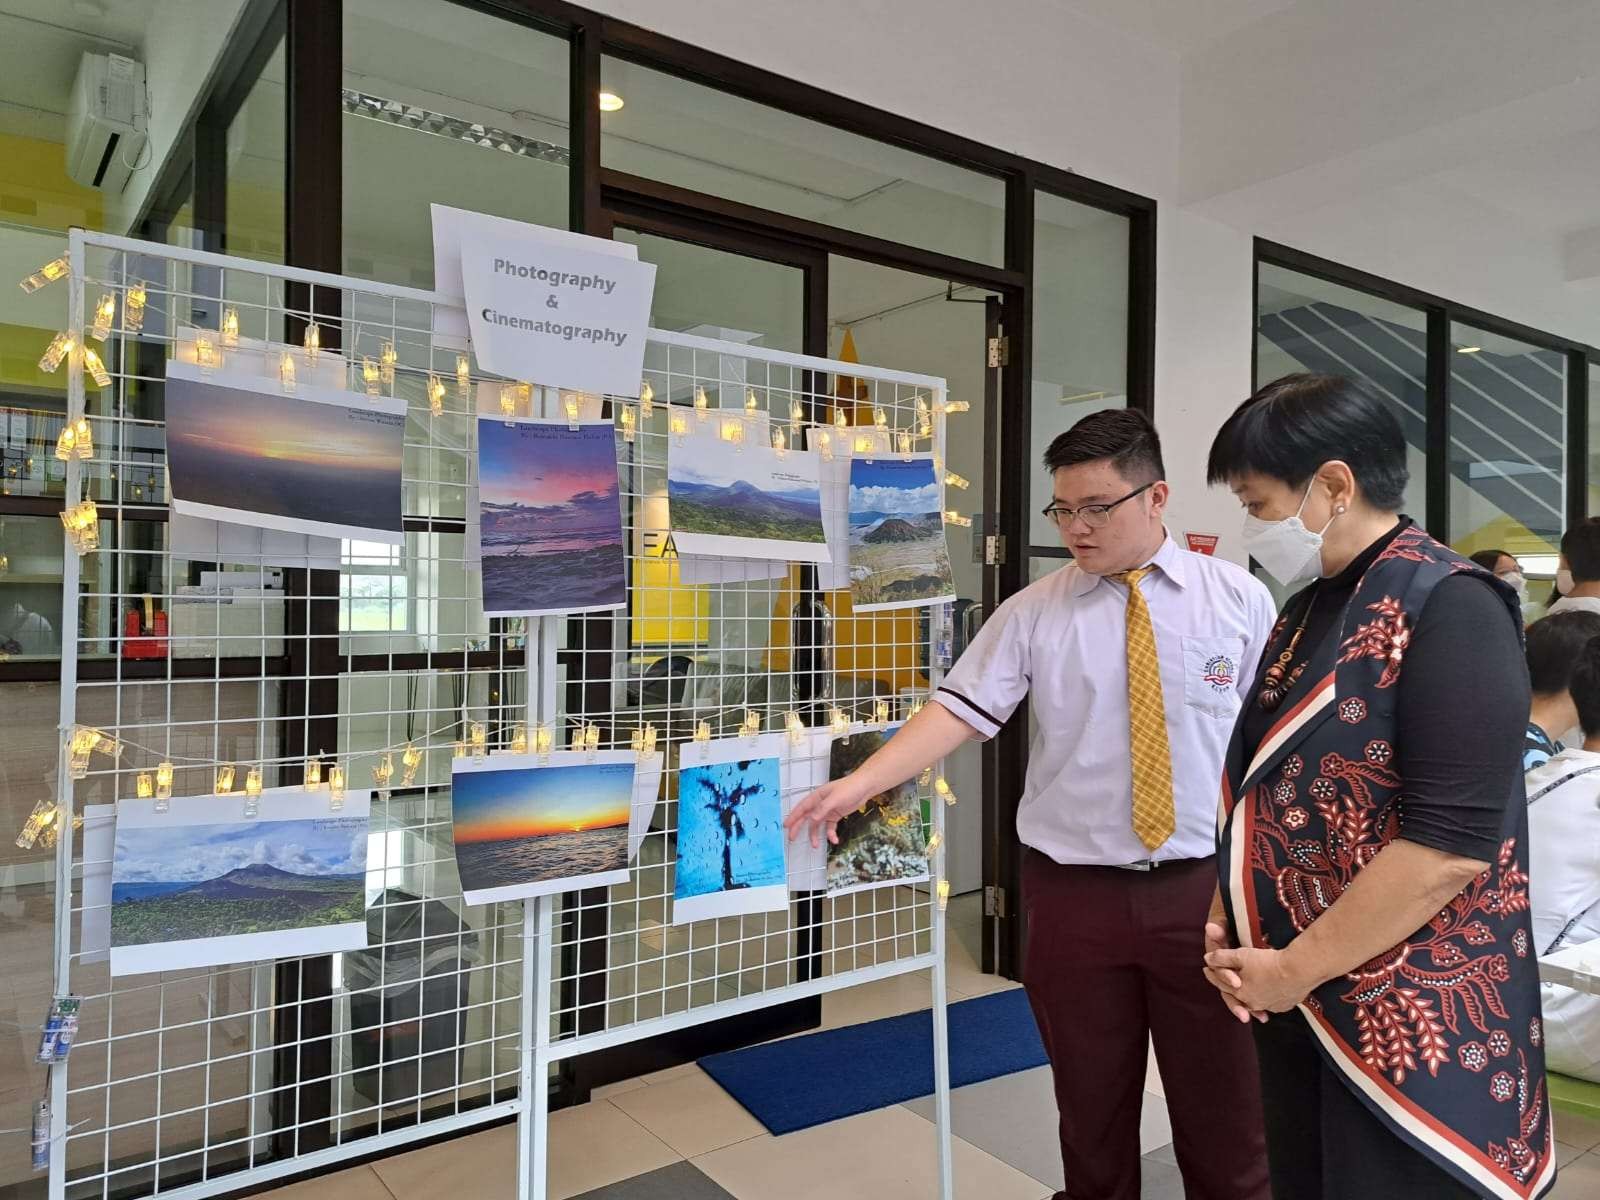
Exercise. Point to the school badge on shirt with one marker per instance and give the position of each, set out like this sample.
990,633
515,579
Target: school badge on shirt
1221,672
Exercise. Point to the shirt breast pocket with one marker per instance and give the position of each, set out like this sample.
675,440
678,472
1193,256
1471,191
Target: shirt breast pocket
1211,667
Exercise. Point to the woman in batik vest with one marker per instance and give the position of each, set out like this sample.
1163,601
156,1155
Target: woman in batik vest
1373,915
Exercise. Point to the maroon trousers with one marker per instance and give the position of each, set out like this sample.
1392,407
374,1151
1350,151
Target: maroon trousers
1113,962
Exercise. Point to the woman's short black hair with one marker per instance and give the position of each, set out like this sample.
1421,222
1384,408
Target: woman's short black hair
1580,545
1124,436
1554,646
1490,559
1586,686
1294,425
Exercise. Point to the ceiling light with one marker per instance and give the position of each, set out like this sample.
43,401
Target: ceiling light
1469,349
610,102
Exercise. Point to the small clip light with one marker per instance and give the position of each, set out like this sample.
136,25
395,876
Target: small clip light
544,739
387,357
144,785
880,712
435,395
230,328
629,422
335,787
957,406
702,404
382,773
944,894
96,368
591,738
795,727
840,421
922,405
797,411
733,433
825,444
252,781
951,517
752,406
636,741
82,523
67,444
880,419
205,354
313,774
519,738
903,442
935,840
370,376
39,820
508,401
105,313
163,785
751,725
286,371
924,428
702,731
780,444
311,342
133,307
916,707
56,268
956,481
649,737
569,405
83,438
926,777
478,735
865,443
410,763
460,749
942,789
224,783
60,346
463,375
647,399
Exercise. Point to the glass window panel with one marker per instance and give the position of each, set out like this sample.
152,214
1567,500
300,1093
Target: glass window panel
1508,422
447,106
1594,440
1080,323
1307,324
256,170
675,131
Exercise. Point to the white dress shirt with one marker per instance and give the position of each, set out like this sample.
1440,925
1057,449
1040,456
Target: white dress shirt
1062,642
1564,895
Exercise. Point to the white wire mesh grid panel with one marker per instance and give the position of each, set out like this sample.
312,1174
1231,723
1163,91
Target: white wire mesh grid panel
200,1081
711,656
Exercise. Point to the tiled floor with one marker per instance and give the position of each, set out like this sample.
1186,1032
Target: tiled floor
678,1136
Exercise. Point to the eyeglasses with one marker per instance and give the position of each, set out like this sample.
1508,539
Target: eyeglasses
1095,516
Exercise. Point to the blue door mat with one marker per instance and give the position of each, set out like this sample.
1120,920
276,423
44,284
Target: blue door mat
819,1077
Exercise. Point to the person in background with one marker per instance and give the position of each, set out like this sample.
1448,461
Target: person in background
1578,574
1564,870
1372,838
1554,645
1133,659
1504,567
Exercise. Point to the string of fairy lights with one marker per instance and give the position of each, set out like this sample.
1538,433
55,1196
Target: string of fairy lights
80,519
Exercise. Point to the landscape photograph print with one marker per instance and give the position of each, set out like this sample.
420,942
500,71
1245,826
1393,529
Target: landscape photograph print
550,518
744,501
522,828
883,841
320,461
898,555
731,844
202,885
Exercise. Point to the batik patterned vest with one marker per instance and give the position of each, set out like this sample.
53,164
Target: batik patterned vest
1440,1036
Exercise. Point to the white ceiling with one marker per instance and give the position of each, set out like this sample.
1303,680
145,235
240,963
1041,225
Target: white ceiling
40,44
1178,25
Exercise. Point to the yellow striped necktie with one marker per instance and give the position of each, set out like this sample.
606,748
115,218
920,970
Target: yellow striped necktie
1154,818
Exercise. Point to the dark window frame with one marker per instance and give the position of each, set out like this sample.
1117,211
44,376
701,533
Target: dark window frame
1441,313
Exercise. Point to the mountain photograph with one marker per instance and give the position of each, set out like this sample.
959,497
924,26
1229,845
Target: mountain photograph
898,556
178,882
750,493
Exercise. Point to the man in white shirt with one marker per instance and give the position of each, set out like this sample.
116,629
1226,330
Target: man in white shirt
1564,874
1135,658
1578,575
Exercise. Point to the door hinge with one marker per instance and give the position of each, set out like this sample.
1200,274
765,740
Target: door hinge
994,901
1000,351
994,549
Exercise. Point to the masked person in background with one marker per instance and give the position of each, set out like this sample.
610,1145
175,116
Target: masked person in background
1578,575
1372,838
1508,570
1554,645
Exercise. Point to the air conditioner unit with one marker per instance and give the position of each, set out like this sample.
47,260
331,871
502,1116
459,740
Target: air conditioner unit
107,121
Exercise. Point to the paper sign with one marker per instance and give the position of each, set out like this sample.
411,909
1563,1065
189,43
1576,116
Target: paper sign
1202,543
559,316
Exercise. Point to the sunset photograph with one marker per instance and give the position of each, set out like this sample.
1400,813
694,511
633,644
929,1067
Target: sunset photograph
253,455
518,826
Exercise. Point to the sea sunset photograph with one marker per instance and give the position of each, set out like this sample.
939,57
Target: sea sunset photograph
531,825
283,457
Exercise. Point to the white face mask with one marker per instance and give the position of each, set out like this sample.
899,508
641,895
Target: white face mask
1288,551
1563,581
1516,580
